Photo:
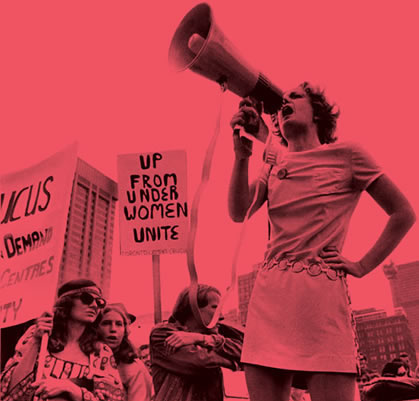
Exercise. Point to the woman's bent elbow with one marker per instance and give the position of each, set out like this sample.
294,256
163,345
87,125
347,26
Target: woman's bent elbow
407,218
411,217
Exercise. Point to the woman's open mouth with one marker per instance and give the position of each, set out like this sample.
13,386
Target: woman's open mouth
286,111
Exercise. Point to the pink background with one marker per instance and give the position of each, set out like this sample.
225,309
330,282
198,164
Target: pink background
96,72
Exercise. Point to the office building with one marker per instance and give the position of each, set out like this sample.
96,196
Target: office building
232,316
383,337
245,287
404,284
89,234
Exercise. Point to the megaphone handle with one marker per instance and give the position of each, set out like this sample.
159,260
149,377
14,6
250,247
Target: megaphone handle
236,130
239,131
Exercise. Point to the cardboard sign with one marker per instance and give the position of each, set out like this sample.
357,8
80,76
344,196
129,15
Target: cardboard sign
33,214
153,208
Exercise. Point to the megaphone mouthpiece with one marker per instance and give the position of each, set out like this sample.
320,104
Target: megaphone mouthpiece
268,93
198,44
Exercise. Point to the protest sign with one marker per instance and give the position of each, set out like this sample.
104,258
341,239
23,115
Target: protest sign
34,205
153,209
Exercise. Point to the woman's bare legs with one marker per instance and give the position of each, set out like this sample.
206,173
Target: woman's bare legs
268,384
331,386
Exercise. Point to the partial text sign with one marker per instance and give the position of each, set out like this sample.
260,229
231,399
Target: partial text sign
34,206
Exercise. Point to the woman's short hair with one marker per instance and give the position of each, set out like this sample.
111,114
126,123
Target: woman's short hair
182,310
325,114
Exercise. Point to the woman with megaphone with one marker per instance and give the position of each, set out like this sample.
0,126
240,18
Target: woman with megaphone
300,329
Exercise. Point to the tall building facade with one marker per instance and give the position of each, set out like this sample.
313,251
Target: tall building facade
383,337
246,283
404,284
89,233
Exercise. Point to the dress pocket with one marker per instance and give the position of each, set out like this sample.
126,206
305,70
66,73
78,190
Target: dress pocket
328,180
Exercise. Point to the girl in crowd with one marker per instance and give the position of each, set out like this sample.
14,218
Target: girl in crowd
78,367
113,328
299,324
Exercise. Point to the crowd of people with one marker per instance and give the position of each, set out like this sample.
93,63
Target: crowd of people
300,332
396,381
88,354
90,357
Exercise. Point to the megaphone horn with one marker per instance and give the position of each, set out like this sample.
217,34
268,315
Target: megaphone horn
198,44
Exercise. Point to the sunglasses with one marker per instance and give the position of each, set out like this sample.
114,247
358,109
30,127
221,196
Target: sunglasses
87,299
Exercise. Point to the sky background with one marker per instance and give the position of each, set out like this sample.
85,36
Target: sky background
97,73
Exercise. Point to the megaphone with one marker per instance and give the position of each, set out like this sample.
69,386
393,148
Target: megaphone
198,44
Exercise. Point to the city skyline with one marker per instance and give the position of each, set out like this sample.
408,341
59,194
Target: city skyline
109,87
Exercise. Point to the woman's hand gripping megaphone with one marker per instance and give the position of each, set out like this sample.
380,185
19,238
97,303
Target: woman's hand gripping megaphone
249,117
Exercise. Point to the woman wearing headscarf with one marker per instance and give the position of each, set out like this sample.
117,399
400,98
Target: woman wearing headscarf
186,357
77,367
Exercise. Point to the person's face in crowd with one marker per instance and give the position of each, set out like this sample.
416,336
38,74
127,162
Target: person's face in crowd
401,371
296,110
85,308
112,329
363,362
207,312
405,359
145,356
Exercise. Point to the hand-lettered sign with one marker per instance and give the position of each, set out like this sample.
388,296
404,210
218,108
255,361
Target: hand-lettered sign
34,205
153,208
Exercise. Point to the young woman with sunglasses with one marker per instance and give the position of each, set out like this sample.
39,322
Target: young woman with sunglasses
77,367
113,328
299,324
